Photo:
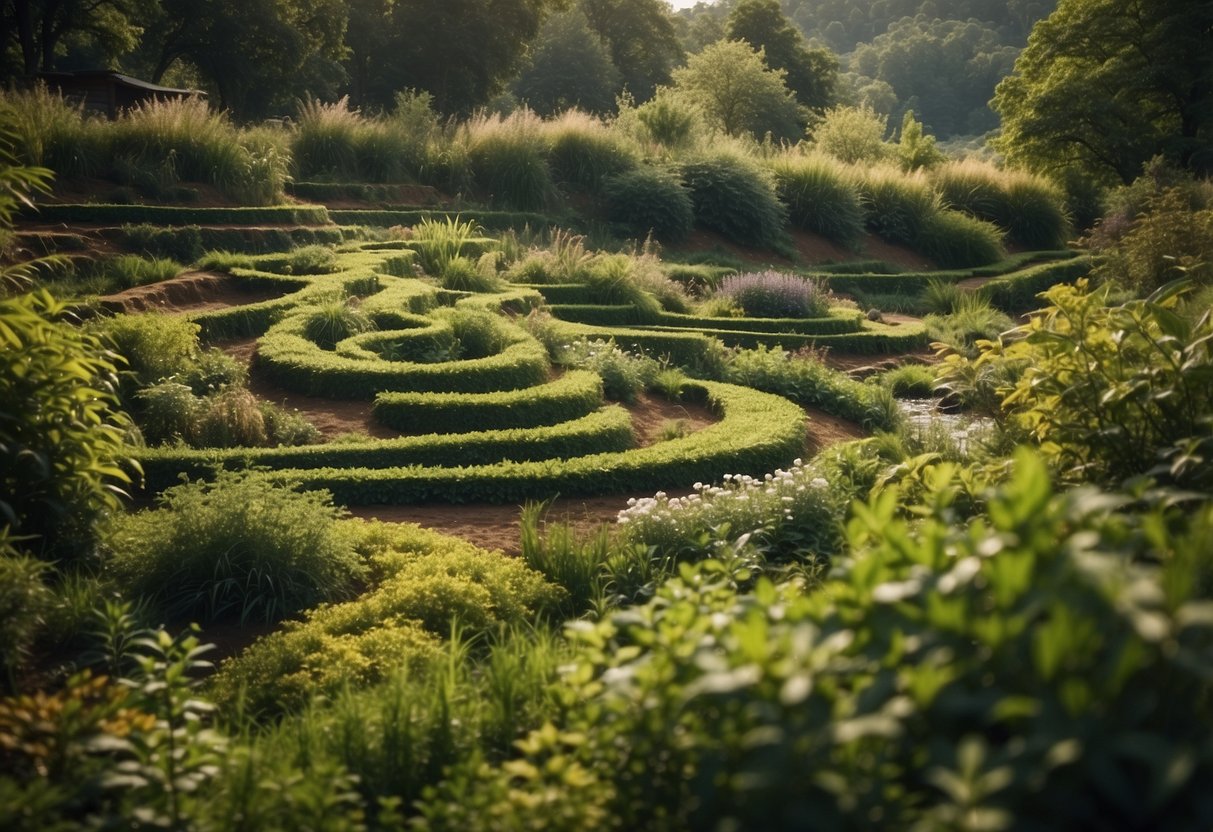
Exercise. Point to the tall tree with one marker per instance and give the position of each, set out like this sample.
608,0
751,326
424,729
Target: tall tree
640,34
732,86
1104,85
811,74
40,30
570,66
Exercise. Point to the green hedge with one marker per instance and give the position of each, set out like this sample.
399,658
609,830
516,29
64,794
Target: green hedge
683,348
386,218
873,339
512,302
758,432
1017,292
563,293
294,362
187,243
102,214
912,283
838,321
371,192
598,314
605,430
574,395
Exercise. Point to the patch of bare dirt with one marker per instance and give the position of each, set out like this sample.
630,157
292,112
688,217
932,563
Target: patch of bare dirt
875,248
189,292
701,240
825,430
651,415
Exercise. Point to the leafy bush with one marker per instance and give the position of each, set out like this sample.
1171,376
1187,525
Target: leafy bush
650,200
168,412
462,275
1028,208
821,196
624,374
955,240
853,135
888,678
612,280
734,196
62,434
238,547
231,418
773,294
668,119
1166,241
155,347
214,370
912,381
24,601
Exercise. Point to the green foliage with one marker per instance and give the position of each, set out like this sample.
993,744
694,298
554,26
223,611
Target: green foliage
738,95
809,382
970,320
955,240
896,205
507,161
821,196
153,347
62,436
238,548
1028,208
1103,87
335,321
650,200
569,68
575,563
916,149
624,375
438,242
811,73
583,152
910,381
612,279
668,119
25,600
313,259
460,274
735,197
1168,240
853,135
874,678
1114,392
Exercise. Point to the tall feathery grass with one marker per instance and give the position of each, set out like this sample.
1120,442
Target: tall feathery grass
896,204
583,151
325,141
957,241
506,159
55,134
821,196
1028,207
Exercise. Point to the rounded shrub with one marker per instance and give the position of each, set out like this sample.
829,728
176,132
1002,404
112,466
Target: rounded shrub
957,241
735,197
235,548
772,294
821,196
335,321
583,152
650,200
896,204
506,157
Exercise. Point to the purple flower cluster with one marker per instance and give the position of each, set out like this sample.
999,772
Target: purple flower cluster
772,294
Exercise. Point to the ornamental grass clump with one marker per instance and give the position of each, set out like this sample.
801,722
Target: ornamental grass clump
821,196
772,294
732,195
506,157
583,152
650,200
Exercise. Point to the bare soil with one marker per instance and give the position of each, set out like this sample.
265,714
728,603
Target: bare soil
189,292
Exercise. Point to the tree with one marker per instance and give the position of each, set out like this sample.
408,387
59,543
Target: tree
1104,85
811,74
853,134
731,84
642,40
570,67
915,148
41,29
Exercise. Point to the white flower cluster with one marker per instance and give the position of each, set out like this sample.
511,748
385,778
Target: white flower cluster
745,503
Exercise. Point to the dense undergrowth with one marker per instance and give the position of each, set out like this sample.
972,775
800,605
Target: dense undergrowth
905,631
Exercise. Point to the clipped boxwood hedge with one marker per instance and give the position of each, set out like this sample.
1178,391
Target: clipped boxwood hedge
1018,292
910,283
574,395
292,361
104,214
606,430
386,218
758,432
873,339
838,321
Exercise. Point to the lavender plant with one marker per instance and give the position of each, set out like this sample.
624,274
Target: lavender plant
772,294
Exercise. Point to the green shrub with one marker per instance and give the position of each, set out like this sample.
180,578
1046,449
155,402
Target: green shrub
911,381
941,297
612,280
128,270
335,321
955,240
507,161
441,241
236,548
650,200
214,370
311,260
624,375
735,197
896,204
231,418
556,551
155,347
62,434
287,427
973,319
168,412
668,119
1028,208
854,135
584,153
25,599
52,133
462,275
821,196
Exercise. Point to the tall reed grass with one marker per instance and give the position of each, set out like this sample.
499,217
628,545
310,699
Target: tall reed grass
821,196
1028,207
896,204
507,162
583,151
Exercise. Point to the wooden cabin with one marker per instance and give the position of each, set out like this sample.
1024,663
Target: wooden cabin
108,93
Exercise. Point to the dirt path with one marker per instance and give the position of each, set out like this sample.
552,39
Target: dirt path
189,292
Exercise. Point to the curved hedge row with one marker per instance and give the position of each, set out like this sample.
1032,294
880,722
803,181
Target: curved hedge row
914,282
104,214
758,432
574,395
605,430
292,361
872,339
